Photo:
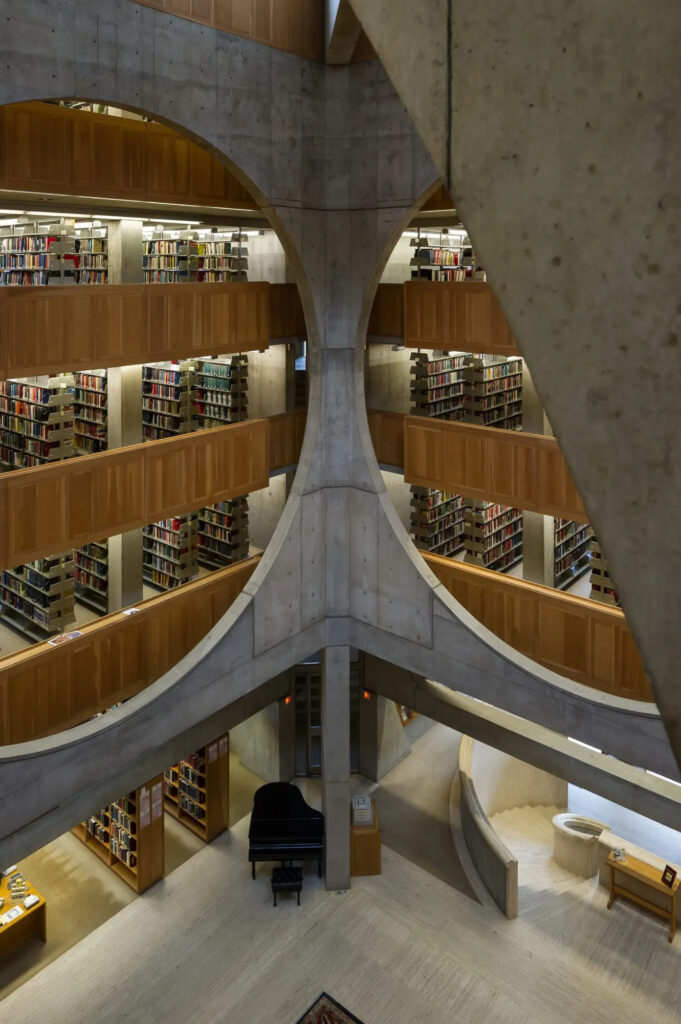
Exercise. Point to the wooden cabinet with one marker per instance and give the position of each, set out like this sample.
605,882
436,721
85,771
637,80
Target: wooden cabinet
365,848
196,790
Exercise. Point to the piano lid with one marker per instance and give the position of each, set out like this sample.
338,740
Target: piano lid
283,802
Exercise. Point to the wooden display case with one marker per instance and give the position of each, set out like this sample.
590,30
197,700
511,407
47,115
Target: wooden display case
31,921
365,848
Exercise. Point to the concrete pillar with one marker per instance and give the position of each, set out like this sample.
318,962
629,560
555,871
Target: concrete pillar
124,415
537,529
124,425
336,764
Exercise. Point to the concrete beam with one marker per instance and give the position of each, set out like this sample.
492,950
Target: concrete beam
342,31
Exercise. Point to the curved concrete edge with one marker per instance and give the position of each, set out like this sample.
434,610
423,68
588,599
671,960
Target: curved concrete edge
472,874
495,863
574,849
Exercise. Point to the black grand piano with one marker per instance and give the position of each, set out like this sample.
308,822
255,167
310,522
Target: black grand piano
283,827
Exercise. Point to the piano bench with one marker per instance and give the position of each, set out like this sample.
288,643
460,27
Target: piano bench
287,880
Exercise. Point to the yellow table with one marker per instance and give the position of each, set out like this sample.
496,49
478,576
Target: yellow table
30,922
649,877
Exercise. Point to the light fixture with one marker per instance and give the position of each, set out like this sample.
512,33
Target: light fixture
9,222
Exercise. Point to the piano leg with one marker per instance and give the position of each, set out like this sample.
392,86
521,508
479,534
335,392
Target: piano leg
253,869
320,868
299,897
275,899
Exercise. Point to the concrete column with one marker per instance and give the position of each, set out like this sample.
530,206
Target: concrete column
124,425
124,415
537,529
336,764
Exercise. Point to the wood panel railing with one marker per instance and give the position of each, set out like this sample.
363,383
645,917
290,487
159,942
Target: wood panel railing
65,504
47,148
48,330
387,312
46,689
581,639
286,312
296,26
508,466
387,434
461,315
286,438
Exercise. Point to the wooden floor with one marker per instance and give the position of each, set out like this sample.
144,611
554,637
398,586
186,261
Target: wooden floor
206,944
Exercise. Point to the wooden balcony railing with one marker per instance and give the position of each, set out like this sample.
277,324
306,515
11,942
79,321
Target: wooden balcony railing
46,689
509,466
65,504
581,639
286,438
464,316
46,148
387,434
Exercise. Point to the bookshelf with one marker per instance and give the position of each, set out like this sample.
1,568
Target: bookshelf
494,535
90,412
196,790
36,421
167,399
572,551
37,599
169,551
128,835
38,252
220,393
239,255
170,257
222,259
437,521
92,255
92,576
437,390
439,258
602,588
437,385
223,533
493,392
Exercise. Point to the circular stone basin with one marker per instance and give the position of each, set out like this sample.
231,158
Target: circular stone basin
575,843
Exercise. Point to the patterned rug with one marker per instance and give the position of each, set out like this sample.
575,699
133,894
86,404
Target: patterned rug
326,1010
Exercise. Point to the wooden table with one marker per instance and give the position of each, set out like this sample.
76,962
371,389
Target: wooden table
648,877
29,922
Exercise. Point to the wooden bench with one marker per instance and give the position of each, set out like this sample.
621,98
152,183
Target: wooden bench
649,878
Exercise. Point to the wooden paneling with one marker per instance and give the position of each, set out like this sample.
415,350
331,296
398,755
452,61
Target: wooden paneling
45,689
286,312
387,312
387,434
48,330
65,504
575,637
296,26
46,148
508,466
440,200
464,316
286,438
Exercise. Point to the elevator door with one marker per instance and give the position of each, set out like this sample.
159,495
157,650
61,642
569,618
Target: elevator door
307,691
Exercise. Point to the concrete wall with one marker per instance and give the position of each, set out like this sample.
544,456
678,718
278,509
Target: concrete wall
399,492
494,862
382,739
265,508
388,381
267,382
266,258
503,782
256,741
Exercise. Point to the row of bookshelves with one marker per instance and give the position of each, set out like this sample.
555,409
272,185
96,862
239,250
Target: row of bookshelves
129,834
467,387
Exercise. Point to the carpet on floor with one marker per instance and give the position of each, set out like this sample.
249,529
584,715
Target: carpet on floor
326,1010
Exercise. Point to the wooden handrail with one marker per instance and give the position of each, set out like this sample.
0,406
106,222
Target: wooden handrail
387,434
45,689
509,466
461,315
581,639
48,330
295,26
47,148
286,438
62,505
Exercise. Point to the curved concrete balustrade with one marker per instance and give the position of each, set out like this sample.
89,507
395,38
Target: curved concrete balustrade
494,862
575,842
